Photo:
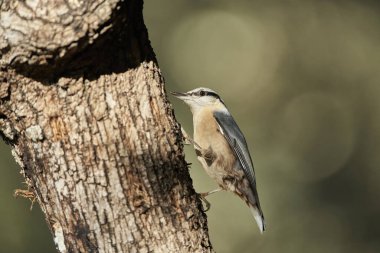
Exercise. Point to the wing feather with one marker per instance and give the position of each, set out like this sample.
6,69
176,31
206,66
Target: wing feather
235,138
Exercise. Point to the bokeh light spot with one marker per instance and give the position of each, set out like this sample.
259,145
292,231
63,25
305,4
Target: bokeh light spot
216,48
316,136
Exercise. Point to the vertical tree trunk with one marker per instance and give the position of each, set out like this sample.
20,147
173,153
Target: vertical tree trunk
83,107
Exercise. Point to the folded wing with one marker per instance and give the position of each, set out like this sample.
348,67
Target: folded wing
235,138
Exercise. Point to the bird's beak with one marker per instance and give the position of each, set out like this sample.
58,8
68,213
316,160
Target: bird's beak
179,95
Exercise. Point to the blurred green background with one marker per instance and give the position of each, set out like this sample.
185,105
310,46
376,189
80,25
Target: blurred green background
302,79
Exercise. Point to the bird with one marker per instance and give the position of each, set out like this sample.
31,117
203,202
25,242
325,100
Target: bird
221,148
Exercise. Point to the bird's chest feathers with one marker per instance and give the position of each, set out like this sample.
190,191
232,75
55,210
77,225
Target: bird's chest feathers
206,131
216,152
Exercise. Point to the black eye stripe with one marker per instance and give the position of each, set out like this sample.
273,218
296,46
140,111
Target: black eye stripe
206,93
213,94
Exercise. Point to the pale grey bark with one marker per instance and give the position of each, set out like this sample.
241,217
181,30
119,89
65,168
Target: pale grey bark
83,107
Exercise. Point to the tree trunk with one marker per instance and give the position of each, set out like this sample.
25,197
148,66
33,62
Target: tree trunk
83,107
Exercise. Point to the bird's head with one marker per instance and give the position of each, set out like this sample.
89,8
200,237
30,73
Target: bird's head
200,98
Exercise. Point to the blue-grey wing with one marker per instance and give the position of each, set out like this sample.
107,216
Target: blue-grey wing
238,144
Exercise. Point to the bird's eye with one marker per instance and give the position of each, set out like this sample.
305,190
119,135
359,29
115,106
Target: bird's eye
202,93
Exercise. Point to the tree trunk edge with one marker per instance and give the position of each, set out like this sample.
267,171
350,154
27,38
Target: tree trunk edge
35,120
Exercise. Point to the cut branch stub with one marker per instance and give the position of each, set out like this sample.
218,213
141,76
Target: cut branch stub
49,39
41,32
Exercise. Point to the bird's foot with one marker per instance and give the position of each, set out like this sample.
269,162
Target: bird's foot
205,194
205,201
187,139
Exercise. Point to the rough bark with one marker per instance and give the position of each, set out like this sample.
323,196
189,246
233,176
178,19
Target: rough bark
83,107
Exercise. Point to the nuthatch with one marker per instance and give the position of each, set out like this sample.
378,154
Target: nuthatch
222,149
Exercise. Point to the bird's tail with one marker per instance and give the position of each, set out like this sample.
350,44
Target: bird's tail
259,217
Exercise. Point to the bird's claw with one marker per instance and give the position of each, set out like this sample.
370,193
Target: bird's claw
205,194
205,201
185,137
187,140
